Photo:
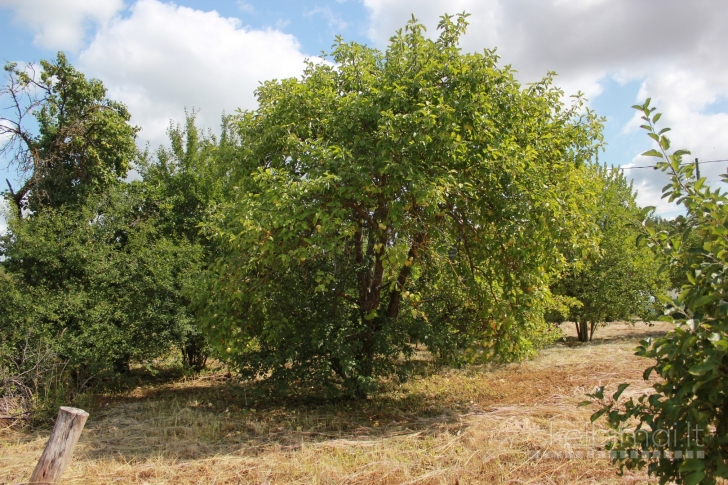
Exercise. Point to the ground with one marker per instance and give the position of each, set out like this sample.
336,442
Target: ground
516,423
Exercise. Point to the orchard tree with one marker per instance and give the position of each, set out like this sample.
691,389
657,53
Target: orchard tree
390,199
618,280
63,136
182,185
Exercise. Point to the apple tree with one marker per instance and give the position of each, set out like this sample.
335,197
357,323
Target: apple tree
618,280
388,199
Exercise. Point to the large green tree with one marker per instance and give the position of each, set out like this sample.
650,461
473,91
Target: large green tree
65,138
389,199
617,280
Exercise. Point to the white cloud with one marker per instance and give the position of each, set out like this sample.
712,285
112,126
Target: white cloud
244,6
62,24
683,94
577,38
334,21
163,58
3,215
676,48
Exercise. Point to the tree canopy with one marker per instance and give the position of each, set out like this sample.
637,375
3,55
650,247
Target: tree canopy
387,199
617,280
62,134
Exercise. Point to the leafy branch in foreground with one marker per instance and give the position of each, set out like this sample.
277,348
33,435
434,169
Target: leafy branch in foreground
681,431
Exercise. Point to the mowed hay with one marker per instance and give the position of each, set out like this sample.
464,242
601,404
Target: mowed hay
516,423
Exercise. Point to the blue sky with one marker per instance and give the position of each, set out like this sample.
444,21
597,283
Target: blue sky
159,57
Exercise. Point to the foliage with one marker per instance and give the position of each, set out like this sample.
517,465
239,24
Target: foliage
186,181
25,356
100,282
618,281
677,270
687,412
77,142
390,199
182,186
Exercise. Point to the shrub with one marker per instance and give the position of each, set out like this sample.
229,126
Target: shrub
100,282
688,412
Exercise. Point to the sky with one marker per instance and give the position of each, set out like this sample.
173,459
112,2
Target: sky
160,58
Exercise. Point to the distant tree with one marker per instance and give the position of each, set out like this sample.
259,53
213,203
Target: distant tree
61,133
182,185
618,280
392,198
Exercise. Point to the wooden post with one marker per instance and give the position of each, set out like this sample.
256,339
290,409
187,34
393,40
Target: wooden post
58,450
697,169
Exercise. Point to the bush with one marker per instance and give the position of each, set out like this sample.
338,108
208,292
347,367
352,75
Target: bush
100,282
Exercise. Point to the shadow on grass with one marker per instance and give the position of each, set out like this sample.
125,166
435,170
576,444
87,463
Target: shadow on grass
216,415
182,417
617,332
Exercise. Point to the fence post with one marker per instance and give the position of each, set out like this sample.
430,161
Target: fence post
697,169
58,450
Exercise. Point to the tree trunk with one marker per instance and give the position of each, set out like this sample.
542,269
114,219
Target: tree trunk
194,352
365,359
121,364
58,450
582,331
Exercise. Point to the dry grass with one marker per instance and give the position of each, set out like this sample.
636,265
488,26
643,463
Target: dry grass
517,423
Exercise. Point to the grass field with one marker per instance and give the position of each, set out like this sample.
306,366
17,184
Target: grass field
516,423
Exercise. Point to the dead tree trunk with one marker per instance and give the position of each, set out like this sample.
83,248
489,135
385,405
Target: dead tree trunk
58,450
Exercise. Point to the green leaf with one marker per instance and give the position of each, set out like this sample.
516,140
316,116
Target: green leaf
694,478
702,369
664,143
652,153
692,465
598,414
620,390
704,300
680,153
721,345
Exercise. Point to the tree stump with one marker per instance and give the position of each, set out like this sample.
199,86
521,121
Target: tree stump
58,450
